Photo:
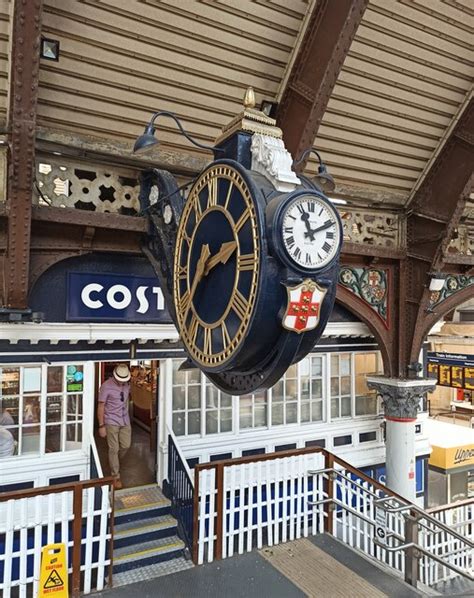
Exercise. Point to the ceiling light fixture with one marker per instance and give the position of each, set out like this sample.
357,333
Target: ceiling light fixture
323,180
49,49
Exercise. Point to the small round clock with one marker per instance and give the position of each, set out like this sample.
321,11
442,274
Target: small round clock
217,265
307,231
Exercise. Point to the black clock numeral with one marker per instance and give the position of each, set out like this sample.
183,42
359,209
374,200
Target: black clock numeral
321,211
212,193
246,261
242,220
311,207
208,341
297,253
288,229
226,340
290,241
240,304
330,234
308,259
292,217
300,208
326,247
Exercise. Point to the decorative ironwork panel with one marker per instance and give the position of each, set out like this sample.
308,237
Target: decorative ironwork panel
452,284
86,186
463,242
370,285
371,227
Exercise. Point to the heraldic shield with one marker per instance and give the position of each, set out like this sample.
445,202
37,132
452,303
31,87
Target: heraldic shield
304,306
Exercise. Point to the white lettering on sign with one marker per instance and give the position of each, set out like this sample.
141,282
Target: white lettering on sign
119,296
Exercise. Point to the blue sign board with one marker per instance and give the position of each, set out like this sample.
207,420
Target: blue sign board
95,297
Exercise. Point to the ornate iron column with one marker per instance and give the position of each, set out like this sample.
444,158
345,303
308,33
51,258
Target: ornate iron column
401,401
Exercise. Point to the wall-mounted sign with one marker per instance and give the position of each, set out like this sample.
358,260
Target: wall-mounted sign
114,298
452,457
451,369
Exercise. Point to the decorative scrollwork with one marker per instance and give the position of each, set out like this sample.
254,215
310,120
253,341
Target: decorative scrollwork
372,227
370,285
452,284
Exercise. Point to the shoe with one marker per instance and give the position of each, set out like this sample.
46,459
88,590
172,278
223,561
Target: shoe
118,484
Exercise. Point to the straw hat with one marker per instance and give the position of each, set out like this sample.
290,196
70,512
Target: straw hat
121,372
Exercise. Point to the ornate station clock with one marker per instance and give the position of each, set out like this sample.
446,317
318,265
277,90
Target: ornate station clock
248,262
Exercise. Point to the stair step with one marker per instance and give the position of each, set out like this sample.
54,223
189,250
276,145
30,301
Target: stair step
142,502
152,571
136,532
147,553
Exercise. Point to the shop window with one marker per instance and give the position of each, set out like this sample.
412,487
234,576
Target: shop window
368,436
320,442
285,398
253,410
186,401
253,452
285,447
41,409
218,410
342,440
340,386
311,381
366,364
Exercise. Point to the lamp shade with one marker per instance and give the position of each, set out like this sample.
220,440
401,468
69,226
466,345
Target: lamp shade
324,180
145,141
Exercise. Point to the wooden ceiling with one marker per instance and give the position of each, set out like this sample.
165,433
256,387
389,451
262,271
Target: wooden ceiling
402,87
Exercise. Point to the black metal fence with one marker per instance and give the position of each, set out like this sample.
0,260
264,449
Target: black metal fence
181,491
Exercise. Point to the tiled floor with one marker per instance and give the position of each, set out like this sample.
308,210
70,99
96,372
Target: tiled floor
138,466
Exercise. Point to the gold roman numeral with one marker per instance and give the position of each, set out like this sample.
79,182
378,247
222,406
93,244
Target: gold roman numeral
208,341
193,328
182,272
240,304
226,340
242,220
212,193
196,204
186,237
184,302
247,261
229,193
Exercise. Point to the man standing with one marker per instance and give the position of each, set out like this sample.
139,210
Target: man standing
114,419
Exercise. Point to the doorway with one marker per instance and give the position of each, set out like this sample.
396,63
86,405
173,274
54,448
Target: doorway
138,467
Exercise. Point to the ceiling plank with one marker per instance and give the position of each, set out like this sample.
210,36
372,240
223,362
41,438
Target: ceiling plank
330,31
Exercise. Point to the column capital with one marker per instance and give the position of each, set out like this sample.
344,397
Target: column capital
401,398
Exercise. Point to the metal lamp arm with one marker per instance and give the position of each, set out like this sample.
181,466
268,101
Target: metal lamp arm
305,154
180,126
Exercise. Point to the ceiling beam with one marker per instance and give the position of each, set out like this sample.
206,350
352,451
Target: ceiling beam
24,77
326,42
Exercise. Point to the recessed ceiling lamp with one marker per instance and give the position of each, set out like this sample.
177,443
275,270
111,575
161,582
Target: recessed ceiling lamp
269,108
49,49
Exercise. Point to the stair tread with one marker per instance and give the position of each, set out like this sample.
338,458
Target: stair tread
147,549
142,497
148,572
129,528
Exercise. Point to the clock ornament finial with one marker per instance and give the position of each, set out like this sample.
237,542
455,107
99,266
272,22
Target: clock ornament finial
249,98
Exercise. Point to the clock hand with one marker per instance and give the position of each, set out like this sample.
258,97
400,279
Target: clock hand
305,219
312,231
205,253
224,253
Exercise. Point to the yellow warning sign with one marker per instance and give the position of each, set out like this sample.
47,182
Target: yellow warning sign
53,576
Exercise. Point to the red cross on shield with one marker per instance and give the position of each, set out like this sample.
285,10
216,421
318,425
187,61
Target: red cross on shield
304,306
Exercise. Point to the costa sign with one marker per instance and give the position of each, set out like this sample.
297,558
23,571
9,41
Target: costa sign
114,298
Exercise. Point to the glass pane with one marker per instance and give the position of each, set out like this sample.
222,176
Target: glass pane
277,414
30,440
194,422
317,389
316,366
211,422
305,390
345,406
55,378
31,410
74,407
245,420
260,397
75,378
334,364
194,397
178,424
226,420
291,413
10,378
334,408
277,392
245,411
73,436
8,444
53,439
346,385
317,411
179,398
305,411
226,400
54,406
291,390
366,405
194,376
260,416
334,386
211,396
9,411
345,363
31,379
304,367
179,377
292,371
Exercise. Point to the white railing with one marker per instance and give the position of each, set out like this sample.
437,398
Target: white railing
78,515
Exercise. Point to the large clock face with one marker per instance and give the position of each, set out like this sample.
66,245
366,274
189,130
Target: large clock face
216,266
310,232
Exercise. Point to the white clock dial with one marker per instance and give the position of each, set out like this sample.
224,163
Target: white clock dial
310,232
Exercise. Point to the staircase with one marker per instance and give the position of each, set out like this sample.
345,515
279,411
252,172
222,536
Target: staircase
146,543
